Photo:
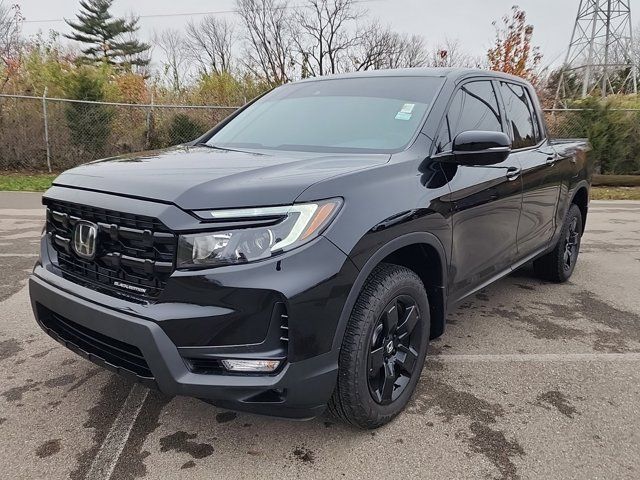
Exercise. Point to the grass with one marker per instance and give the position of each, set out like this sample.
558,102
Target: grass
17,182
616,180
615,193
39,182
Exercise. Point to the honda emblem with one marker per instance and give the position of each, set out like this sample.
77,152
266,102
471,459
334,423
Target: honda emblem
85,236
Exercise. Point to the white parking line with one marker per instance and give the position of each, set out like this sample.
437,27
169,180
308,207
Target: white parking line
109,453
19,236
25,255
539,357
27,212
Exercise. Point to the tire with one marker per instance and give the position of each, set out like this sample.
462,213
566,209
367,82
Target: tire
558,265
373,353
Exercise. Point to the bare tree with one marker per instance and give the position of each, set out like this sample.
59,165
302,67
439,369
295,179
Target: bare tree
211,43
11,41
174,48
450,54
414,52
328,35
382,48
269,34
375,48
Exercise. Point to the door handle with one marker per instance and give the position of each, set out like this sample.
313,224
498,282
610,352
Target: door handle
551,161
513,173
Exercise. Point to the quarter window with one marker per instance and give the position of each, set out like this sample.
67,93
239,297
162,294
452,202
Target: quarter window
525,129
474,107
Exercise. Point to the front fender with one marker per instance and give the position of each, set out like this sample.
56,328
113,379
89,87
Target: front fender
437,292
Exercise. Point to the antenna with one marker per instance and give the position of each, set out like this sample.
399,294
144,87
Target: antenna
600,57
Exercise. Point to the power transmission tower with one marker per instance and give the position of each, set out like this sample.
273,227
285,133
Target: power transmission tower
600,58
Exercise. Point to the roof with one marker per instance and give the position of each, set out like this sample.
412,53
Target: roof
450,73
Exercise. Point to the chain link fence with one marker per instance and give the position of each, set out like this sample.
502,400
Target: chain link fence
614,134
563,123
39,134
55,134
577,122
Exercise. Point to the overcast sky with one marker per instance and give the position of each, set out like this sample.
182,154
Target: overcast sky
466,20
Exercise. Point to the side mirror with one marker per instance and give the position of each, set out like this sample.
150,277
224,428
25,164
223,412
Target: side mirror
478,148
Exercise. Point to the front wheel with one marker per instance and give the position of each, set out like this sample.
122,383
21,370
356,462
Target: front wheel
558,265
383,349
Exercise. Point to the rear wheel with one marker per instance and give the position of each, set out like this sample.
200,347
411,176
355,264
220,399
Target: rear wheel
558,265
383,349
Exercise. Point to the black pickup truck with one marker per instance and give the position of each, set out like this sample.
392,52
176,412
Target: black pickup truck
301,254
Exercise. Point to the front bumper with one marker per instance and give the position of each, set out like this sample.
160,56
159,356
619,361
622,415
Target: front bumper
298,390
204,316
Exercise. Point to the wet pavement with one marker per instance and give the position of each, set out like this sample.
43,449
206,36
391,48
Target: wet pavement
531,380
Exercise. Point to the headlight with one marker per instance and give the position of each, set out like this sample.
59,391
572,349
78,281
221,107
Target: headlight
285,228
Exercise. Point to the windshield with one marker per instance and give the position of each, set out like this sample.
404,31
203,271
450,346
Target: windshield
354,115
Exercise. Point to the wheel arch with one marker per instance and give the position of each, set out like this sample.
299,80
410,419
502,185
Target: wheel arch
581,199
400,251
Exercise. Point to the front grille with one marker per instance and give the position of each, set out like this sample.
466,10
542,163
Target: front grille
135,254
114,353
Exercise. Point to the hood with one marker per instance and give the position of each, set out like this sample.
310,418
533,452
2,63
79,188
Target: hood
202,177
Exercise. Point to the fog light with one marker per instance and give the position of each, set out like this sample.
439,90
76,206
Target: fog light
251,365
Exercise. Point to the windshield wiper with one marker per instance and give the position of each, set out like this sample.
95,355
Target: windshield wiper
216,147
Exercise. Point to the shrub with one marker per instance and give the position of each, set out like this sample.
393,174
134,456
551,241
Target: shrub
89,124
614,134
184,129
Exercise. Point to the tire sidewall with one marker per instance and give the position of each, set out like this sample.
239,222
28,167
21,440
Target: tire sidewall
418,294
574,212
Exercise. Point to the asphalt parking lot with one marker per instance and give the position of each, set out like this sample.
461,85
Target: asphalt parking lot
530,380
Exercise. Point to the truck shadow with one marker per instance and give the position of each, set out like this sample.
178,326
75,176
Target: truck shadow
193,433
185,433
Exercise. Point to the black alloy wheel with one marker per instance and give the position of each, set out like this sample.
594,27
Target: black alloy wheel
395,344
383,348
571,245
558,265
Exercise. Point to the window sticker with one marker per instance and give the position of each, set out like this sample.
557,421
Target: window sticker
406,112
408,108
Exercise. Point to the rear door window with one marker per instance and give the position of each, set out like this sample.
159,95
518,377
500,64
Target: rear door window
521,114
